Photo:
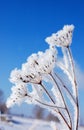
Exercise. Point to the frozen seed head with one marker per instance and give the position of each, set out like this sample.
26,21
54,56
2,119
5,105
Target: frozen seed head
15,76
30,69
36,65
19,93
62,38
32,76
47,61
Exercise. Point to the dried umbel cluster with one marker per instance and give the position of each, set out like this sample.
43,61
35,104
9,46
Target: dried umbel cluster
38,82
62,38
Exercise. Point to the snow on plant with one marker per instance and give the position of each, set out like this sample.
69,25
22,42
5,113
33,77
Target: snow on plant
62,38
49,90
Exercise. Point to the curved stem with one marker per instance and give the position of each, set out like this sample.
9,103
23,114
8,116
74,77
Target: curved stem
54,103
65,88
45,104
47,93
65,120
58,111
75,83
62,99
72,65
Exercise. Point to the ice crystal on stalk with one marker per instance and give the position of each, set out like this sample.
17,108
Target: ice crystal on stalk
47,61
48,89
19,92
62,37
15,76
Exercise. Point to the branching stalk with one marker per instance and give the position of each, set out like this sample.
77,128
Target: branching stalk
47,93
62,99
75,83
66,88
54,103
45,104
65,120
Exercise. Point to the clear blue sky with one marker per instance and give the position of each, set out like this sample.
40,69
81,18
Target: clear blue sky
24,24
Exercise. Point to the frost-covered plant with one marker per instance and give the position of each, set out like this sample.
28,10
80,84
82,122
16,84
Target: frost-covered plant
48,89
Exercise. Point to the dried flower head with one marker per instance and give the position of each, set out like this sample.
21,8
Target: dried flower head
36,65
47,61
62,38
15,76
19,93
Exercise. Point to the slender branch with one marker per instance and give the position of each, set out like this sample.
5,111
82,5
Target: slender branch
47,93
66,88
62,98
54,103
75,83
62,66
65,120
52,106
56,111
45,104
72,65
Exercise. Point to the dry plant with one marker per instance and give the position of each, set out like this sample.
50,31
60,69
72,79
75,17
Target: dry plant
39,82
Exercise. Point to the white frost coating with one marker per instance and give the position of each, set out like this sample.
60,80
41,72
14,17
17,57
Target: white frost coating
47,61
62,37
69,75
62,125
58,98
75,117
43,62
66,71
15,76
36,65
66,116
39,69
65,58
19,93
32,71
38,92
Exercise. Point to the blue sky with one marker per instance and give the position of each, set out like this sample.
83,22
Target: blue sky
24,24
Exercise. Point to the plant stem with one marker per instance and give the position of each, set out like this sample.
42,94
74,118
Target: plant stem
47,93
54,103
45,104
62,99
75,83
65,120
66,88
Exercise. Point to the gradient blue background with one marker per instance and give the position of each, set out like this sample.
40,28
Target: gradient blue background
24,24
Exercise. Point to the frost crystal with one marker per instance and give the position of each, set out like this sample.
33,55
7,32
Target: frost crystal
47,61
19,93
36,65
62,37
15,76
45,87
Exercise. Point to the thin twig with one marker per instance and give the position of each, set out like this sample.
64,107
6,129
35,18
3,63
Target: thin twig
45,104
47,93
62,99
65,120
54,103
75,83
66,88
58,111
